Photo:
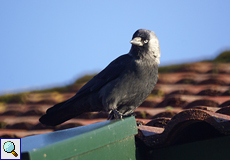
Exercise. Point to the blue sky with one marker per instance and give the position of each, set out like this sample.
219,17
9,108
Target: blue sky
50,43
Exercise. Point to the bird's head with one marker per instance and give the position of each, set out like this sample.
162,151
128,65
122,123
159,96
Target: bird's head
145,43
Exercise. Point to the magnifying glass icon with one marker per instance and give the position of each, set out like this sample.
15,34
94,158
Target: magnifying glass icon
9,147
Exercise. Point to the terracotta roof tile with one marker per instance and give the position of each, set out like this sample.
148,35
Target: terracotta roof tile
40,126
149,103
22,125
186,81
159,122
33,112
187,126
226,93
165,114
213,81
154,111
181,92
174,101
211,109
202,102
210,92
142,114
218,99
100,115
225,104
11,113
224,110
68,125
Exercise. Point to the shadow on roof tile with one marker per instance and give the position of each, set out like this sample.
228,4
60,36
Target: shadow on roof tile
210,92
213,81
100,115
142,114
224,110
166,114
202,102
225,104
159,122
22,125
180,92
148,103
186,81
40,126
211,109
11,113
173,101
162,81
226,93
34,112
46,101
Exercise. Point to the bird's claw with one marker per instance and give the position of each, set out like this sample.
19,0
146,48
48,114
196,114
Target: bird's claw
114,114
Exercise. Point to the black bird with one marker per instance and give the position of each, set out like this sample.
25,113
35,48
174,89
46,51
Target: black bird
118,89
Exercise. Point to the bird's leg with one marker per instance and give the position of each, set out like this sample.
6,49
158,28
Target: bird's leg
111,116
114,114
117,114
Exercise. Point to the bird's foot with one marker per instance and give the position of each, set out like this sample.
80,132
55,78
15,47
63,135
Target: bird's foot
114,114
111,116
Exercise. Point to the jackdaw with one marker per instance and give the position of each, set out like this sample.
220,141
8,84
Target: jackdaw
118,89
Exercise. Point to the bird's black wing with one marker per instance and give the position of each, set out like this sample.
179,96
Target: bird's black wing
111,72
63,111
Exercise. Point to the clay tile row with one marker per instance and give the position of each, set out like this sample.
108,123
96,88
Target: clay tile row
191,102
191,81
187,126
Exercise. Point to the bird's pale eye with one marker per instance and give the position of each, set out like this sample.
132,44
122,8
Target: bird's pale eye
146,41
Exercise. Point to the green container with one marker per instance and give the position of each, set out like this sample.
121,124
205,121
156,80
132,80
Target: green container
108,140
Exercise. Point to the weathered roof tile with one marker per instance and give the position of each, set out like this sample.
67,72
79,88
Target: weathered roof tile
159,122
187,126
202,102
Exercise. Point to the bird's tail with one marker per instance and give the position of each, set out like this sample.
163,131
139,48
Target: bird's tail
60,113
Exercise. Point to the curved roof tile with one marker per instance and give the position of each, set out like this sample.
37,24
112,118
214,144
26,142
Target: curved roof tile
187,126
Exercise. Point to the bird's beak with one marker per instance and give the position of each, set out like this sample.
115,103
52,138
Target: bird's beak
137,41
